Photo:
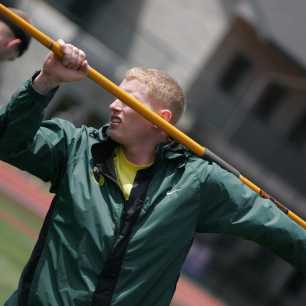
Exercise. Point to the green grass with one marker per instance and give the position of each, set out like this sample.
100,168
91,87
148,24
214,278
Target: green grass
15,244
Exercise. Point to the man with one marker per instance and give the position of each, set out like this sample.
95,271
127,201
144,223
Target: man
127,199
13,40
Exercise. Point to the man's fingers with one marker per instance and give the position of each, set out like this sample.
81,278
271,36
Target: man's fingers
82,54
75,61
81,59
78,57
61,42
84,66
73,57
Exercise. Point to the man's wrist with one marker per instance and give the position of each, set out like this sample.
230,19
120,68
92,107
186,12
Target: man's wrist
44,84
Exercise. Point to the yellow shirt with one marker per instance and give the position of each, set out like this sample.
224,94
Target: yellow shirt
126,172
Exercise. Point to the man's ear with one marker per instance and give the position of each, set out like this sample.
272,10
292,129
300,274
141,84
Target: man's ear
13,44
165,114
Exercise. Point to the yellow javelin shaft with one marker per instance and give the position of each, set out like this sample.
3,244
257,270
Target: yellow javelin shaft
143,110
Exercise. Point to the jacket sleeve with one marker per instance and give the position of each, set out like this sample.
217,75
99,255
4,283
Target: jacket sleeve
27,142
228,206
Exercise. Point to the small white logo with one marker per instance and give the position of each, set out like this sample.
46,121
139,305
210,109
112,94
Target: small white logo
173,191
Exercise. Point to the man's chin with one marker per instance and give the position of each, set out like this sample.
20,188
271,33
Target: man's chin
113,135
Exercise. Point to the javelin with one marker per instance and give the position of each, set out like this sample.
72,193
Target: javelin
140,108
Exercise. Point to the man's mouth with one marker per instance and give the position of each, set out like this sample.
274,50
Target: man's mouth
115,120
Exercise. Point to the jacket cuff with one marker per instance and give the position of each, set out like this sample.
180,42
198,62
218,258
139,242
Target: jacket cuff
42,98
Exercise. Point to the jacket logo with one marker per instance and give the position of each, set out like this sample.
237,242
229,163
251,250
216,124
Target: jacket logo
174,190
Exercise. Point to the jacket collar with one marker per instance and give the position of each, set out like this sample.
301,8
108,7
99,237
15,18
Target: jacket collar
172,150
105,146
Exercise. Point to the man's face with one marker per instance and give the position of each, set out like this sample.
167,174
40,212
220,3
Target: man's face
127,127
8,54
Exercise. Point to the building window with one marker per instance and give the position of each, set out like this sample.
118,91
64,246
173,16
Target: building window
269,101
236,70
297,135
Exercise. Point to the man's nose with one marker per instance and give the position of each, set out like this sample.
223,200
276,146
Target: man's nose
116,105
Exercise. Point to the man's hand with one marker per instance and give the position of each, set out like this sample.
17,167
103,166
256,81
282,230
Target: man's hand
72,67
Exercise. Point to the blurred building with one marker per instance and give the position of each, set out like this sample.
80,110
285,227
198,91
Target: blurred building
242,65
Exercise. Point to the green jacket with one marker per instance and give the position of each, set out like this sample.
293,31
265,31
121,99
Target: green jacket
96,249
